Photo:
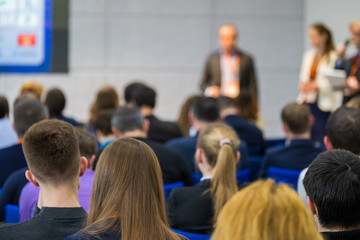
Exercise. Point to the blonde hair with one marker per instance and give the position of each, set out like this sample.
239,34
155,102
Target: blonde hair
266,211
127,195
33,88
220,145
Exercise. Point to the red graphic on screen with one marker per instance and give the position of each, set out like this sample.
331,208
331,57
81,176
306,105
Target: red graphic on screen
26,40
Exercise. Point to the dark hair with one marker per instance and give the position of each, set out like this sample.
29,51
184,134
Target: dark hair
127,118
206,109
343,129
4,107
333,183
226,102
144,96
87,142
329,45
296,117
26,113
129,91
52,152
103,122
55,101
247,102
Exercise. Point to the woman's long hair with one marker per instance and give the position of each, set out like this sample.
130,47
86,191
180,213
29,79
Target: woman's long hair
265,210
329,44
127,195
220,145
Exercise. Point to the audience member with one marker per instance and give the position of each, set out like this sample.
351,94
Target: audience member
30,193
52,154
128,122
102,127
144,98
332,184
7,132
265,210
127,200
247,131
183,118
204,111
55,102
299,149
31,89
130,90
195,209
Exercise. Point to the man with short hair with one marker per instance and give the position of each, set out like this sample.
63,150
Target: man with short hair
128,122
332,184
52,154
205,110
299,150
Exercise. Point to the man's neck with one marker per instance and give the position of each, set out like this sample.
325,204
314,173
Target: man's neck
228,112
146,110
293,136
60,196
199,125
134,134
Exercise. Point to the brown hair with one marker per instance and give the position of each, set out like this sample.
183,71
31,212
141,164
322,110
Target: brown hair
183,119
106,98
265,210
220,145
329,45
127,195
87,143
4,107
52,152
247,102
296,117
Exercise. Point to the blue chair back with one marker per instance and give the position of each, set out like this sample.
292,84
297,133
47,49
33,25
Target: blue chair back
243,175
281,175
196,177
192,236
0,191
255,167
169,187
12,213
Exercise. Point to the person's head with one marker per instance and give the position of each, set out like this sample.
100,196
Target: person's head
265,210
31,88
26,113
217,154
343,130
321,38
183,118
127,119
204,110
4,107
355,32
106,98
129,91
332,184
227,106
52,154
127,193
247,104
55,102
87,145
296,119
228,37
144,96
102,124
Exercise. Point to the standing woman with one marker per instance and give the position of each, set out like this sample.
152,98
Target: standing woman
127,199
315,88
195,209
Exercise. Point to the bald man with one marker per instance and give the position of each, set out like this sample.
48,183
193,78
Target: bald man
229,71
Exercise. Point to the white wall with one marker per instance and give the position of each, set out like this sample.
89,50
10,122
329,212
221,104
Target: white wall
165,43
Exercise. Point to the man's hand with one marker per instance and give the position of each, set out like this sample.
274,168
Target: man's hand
352,86
212,91
308,87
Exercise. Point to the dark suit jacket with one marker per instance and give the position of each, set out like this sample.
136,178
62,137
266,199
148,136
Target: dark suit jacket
11,159
297,155
247,75
247,132
187,146
162,131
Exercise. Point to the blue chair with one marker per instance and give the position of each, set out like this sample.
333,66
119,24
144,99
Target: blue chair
196,177
281,175
169,187
12,213
243,175
255,167
0,191
192,236
275,142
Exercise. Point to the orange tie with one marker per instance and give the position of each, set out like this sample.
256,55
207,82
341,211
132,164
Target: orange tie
355,65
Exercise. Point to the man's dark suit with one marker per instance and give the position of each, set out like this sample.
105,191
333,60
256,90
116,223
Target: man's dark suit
247,76
11,159
297,155
162,131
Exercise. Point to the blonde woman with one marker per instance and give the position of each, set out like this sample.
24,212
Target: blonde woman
127,200
194,209
265,210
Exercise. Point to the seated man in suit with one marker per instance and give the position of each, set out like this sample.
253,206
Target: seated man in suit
342,132
205,110
247,131
332,184
128,122
52,154
299,150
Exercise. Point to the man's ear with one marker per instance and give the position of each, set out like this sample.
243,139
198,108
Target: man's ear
191,118
29,176
237,158
327,143
146,125
115,132
91,162
83,165
285,128
311,120
312,206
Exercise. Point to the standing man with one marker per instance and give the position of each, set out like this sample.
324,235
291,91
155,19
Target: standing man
229,71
